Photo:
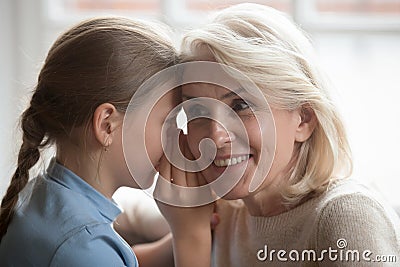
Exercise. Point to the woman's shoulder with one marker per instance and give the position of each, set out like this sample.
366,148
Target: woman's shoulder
353,193
351,204
353,212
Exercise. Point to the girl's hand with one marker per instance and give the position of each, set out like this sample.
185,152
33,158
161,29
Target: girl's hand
190,226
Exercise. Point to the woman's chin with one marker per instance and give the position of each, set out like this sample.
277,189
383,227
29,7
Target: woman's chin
238,192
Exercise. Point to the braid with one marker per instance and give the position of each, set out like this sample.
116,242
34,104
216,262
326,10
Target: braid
28,156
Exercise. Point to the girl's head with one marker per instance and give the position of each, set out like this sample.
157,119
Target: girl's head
260,42
83,90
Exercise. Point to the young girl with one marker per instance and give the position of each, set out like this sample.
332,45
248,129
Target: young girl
64,216
304,212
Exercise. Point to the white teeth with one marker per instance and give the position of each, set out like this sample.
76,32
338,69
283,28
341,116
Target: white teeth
231,161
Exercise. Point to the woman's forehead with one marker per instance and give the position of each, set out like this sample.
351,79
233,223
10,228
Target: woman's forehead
193,90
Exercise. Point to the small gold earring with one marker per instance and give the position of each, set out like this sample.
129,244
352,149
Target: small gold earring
106,148
106,145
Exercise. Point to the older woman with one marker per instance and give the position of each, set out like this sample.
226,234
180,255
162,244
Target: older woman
302,211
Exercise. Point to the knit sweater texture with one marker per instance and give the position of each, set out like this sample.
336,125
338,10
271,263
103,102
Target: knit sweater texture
348,225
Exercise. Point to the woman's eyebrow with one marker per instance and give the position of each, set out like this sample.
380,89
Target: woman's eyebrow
227,95
232,93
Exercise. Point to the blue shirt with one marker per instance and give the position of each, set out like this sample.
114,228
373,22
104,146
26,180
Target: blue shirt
60,220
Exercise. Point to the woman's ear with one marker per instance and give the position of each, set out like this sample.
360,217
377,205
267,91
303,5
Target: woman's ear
106,119
307,124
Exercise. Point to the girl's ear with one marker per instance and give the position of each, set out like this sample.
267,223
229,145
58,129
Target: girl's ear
307,124
106,119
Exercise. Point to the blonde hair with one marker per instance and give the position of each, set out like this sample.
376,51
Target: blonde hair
100,60
274,53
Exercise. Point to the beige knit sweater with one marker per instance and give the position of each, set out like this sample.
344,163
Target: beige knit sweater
346,226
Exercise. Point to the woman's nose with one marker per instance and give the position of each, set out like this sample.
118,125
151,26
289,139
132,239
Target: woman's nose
219,134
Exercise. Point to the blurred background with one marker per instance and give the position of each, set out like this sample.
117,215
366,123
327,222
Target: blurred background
357,42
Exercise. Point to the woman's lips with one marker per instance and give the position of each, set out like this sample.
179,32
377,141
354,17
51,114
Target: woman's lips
231,163
231,160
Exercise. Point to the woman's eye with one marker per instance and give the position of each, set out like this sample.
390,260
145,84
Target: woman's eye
239,105
196,111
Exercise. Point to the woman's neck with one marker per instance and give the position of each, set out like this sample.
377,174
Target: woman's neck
265,203
267,200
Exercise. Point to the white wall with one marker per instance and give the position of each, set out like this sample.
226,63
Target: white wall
364,67
7,71
21,53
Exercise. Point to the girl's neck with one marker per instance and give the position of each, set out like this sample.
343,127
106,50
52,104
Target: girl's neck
88,169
